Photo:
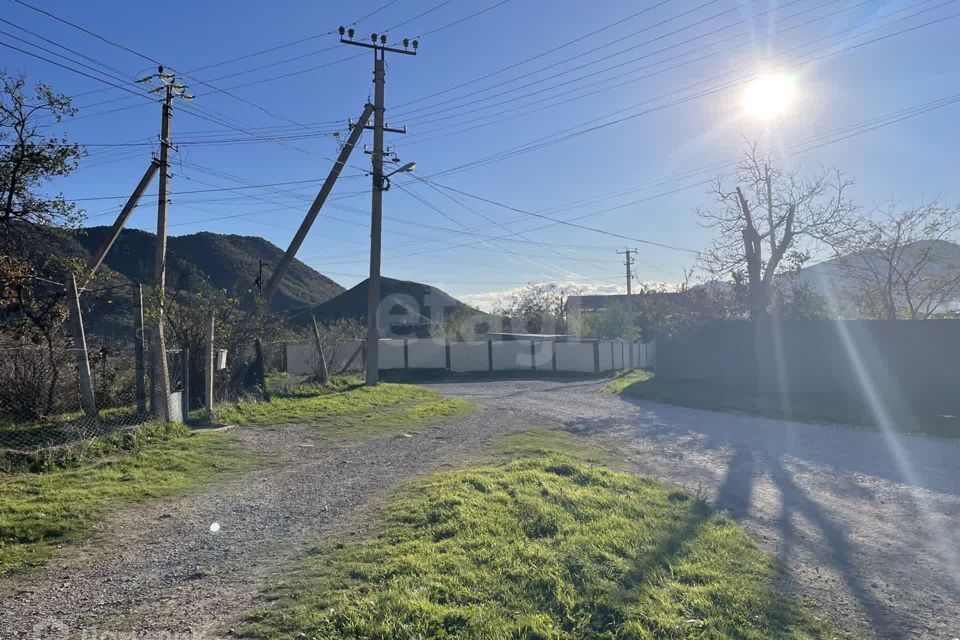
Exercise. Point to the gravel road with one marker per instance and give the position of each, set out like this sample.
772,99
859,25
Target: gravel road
867,524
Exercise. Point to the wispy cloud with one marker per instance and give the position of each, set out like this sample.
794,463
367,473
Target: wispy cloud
485,301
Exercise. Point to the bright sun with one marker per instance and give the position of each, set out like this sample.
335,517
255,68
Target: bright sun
769,95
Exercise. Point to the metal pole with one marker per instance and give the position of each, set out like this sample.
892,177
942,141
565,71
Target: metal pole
161,374
87,397
138,344
376,220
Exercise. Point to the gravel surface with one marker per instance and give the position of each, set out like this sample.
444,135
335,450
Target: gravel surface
872,546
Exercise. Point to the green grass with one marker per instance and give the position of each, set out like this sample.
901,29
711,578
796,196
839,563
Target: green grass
39,512
63,428
345,407
625,379
833,408
542,546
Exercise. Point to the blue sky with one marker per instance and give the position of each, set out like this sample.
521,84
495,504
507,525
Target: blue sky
650,107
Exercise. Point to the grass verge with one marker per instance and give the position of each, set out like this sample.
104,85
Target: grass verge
39,512
798,407
541,546
345,407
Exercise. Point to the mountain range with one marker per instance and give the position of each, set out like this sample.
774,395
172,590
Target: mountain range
224,261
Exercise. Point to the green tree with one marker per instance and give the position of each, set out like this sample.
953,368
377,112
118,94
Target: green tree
31,154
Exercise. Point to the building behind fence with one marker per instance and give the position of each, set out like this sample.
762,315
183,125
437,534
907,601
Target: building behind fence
583,356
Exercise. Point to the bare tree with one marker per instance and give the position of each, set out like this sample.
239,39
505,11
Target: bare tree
537,308
29,155
902,263
771,221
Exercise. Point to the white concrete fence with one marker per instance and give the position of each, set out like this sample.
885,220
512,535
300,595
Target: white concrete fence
594,356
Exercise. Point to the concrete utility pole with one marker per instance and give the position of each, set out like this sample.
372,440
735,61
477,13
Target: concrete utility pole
75,324
267,292
87,399
380,49
629,262
138,339
209,368
160,376
629,306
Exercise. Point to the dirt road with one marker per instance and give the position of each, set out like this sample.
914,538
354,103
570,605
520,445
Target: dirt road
867,533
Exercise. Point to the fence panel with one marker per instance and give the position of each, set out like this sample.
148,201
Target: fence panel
512,355
606,355
427,354
618,355
543,351
469,356
391,354
575,356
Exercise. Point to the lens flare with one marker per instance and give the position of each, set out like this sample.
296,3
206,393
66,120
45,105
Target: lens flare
769,95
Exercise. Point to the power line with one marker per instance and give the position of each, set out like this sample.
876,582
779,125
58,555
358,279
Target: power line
535,57
88,32
573,132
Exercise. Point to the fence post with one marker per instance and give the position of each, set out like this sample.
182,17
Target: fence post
208,370
553,355
138,349
533,355
185,375
490,355
447,348
406,354
596,356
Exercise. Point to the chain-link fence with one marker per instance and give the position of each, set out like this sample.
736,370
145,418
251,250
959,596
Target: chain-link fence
40,395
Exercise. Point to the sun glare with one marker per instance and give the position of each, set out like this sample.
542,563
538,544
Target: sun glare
769,95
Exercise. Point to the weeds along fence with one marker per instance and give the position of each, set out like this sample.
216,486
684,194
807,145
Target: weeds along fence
40,394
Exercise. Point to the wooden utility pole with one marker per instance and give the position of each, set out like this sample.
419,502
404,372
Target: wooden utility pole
380,49
87,398
629,306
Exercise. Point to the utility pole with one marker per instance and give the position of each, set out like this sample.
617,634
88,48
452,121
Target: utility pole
629,262
138,338
629,306
314,210
380,49
161,374
87,398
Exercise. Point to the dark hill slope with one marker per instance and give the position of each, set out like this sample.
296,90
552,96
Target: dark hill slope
412,305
